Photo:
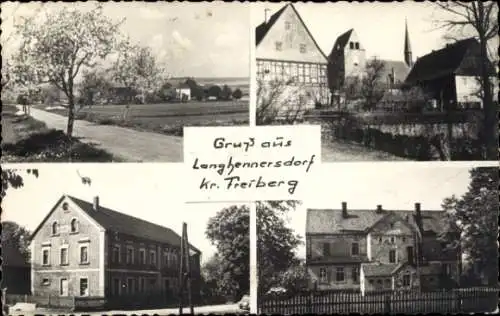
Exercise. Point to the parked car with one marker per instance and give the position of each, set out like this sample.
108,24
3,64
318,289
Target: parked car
244,303
277,291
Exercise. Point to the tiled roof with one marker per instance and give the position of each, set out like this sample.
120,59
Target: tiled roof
11,256
263,28
129,225
461,58
330,221
378,269
342,40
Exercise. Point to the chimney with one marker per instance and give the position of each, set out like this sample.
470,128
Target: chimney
266,10
96,203
379,209
344,210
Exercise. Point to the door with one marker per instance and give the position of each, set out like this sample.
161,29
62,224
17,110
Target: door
63,291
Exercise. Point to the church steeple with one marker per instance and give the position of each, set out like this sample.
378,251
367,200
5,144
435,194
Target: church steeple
408,56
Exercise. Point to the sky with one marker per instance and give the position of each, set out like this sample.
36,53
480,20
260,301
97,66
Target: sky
147,191
392,185
192,39
380,26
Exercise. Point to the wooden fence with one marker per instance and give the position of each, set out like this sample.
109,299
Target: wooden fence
407,302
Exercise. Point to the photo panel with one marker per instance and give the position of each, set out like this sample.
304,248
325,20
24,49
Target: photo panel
119,239
397,238
420,86
135,75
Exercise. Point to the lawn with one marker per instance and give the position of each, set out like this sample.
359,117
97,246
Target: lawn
25,139
167,118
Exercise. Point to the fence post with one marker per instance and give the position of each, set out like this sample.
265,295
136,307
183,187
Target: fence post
310,302
387,304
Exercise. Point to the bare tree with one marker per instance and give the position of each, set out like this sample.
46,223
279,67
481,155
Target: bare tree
280,101
371,86
481,18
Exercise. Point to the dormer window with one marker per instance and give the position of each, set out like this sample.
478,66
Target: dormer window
74,225
288,25
302,48
279,46
55,228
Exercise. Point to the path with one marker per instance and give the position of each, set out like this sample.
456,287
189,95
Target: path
125,143
333,151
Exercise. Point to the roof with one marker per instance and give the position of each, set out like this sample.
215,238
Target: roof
400,68
330,221
379,269
460,58
342,40
262,30
121,223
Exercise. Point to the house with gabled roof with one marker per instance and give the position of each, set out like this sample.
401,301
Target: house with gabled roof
287,52
370,250
450,75
84,250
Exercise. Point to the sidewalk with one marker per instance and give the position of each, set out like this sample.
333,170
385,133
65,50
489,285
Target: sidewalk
128,144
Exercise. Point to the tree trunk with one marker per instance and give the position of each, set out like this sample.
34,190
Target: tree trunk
71,115
490,132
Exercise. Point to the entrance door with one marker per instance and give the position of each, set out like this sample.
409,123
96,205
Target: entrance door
63,291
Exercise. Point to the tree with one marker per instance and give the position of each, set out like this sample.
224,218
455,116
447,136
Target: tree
12,179
137,68
283,101
371,86
17,237
275,242
56,49
475,215
213,279
94,83
482,19
295,279
229,231
215,91
226,93
237,94
196,90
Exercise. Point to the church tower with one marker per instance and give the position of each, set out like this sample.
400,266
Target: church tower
408,57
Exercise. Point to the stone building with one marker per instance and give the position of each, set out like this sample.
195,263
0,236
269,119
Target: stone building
83,249
378,249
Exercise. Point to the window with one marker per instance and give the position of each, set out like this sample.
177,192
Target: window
166,259
152,284
116,254
403,239
356,45
63,287
84,254
65,206
279,46
392,256
45,282
142,256
392,239
339,274
323,277
447,269
115,288
130,255
166,284
380,240
84,287
288,25
152,257
46,256
351,45
409,253
142,284
130,286
387,283
55,228
391,225
64,256
326,249
302,48
370,281
74,225
355,249
406,280
355,275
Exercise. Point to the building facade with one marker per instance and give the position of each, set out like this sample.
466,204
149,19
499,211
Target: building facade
82,249
377,249
287,53
450,76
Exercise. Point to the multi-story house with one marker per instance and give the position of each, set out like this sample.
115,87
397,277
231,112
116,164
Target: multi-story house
378,249
450,75
286,52
83,249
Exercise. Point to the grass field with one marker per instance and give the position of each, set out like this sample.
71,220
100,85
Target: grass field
168,118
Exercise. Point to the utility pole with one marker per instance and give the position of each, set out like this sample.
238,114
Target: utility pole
185,272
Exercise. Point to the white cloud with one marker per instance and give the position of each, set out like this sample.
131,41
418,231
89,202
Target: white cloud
181,41
149,13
